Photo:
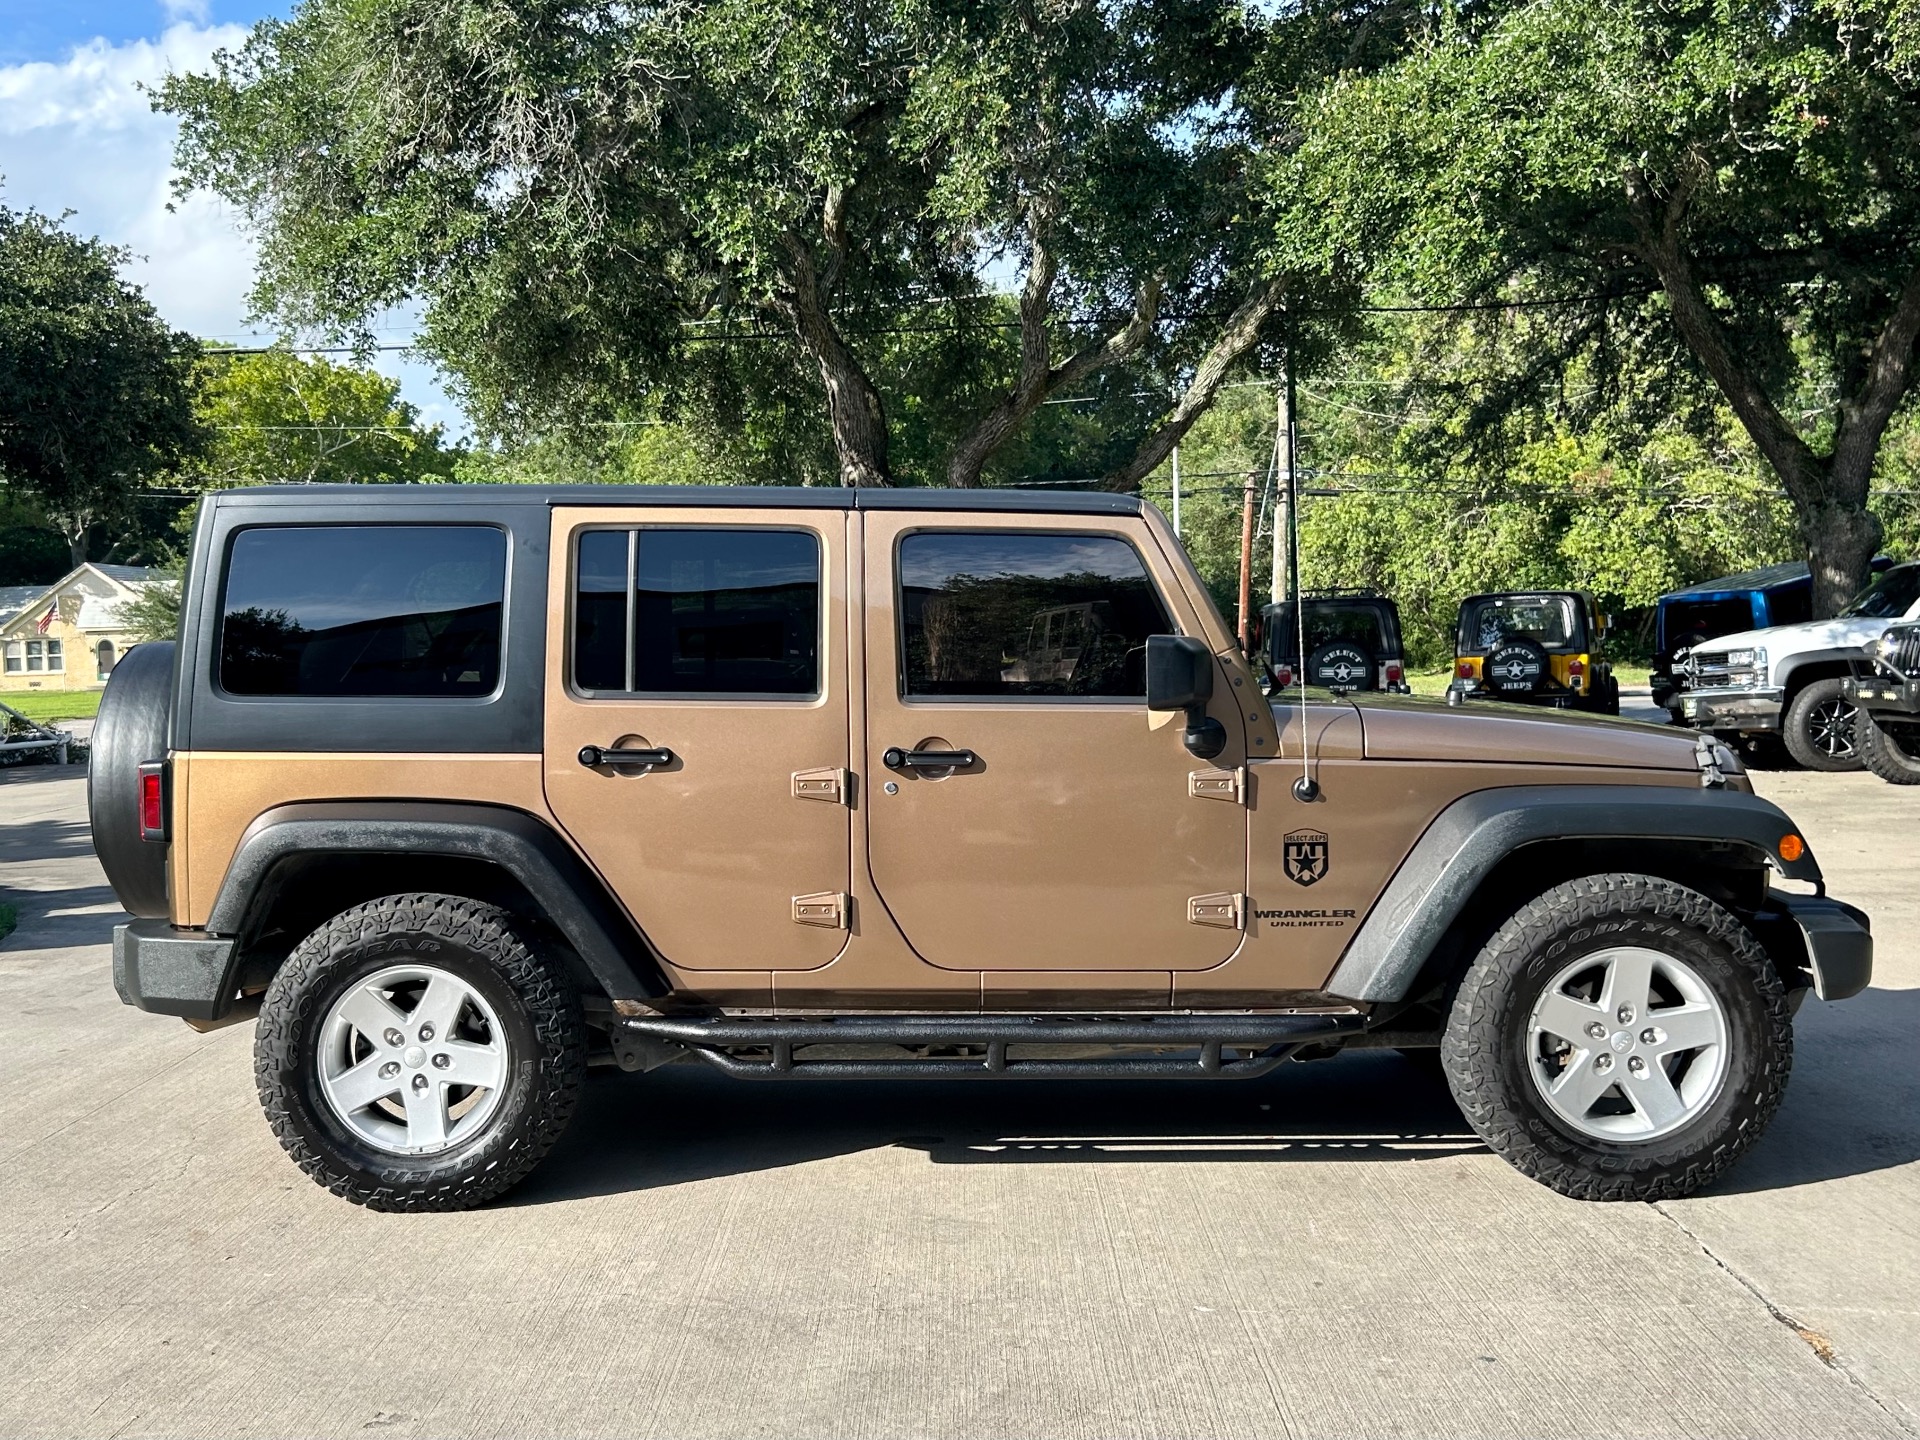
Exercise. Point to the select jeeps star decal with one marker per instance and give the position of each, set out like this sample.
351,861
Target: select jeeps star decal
1305,857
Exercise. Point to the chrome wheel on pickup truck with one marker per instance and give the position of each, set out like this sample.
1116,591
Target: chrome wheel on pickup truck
1620,1038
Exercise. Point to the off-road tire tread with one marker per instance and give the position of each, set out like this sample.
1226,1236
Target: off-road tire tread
1472,1043
1880,755
540,981
1793,727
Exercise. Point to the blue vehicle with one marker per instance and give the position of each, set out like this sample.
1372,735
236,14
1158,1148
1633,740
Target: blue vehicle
1752,600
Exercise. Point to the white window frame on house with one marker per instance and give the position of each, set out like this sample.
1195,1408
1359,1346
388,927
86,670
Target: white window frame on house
16,657
44,657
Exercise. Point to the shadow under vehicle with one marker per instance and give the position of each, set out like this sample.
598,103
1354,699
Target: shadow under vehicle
1535,647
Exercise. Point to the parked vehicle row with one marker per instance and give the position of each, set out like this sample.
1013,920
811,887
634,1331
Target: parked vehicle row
1533,647
1793,683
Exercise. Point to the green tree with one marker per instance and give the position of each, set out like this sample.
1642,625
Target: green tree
600,205
1740,181
96,391
278,419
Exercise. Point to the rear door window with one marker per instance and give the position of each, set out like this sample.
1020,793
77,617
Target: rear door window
697,612
998,614
363,610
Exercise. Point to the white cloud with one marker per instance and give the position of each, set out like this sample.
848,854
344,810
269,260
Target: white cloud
80,134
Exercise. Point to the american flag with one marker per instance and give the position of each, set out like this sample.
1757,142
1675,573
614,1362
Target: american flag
46,620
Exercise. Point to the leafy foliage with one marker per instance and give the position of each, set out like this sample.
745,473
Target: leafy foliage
95,390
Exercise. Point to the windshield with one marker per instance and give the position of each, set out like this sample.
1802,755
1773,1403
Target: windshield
1547,619
1890,596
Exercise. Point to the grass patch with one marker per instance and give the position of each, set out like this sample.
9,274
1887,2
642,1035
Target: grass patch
45,707
9,917
1434,682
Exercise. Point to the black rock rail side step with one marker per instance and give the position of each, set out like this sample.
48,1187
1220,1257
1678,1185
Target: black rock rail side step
1269,1039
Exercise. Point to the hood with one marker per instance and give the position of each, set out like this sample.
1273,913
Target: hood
1402,727
1836,634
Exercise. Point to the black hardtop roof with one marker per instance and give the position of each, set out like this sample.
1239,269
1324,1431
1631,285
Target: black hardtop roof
770,497
1528,595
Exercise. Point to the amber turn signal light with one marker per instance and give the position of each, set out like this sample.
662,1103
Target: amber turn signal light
1792,847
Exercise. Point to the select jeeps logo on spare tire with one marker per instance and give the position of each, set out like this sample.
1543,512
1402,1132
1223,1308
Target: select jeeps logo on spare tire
1305,857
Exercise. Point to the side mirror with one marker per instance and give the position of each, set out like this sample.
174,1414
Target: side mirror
1180,677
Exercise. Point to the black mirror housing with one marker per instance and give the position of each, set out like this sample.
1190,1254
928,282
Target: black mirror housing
1180,677
1179,672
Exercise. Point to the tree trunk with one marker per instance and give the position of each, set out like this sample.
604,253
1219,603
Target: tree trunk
854,408
76,534
1829,493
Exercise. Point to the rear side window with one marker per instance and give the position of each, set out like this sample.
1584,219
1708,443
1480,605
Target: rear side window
697,612
1691,621
997,614
363,610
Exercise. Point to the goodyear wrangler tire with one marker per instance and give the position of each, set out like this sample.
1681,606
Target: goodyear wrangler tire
1680,1050
417,1053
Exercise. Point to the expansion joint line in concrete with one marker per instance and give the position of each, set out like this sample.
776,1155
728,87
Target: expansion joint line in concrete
1821,1346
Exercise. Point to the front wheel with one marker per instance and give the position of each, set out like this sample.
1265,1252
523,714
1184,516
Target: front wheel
1818,727
1621,1038
417,1053
1892,753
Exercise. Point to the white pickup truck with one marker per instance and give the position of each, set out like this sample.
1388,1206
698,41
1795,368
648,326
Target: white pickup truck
1791,680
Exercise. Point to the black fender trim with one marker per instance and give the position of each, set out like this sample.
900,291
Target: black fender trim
1478,831
1836,942
569,894
172,972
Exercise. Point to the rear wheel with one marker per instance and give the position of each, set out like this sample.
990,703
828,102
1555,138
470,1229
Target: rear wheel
417,1053
1818,727
1621,1038
1891,753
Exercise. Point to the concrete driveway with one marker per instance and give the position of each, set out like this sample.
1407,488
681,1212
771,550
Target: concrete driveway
1324,1252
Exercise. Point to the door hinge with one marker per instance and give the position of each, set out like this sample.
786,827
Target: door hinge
827,910
1218,785
830,785
1227,912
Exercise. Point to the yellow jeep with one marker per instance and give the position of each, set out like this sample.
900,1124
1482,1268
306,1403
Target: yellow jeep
1539,647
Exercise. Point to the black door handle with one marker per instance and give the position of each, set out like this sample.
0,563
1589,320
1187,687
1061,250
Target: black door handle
897,759
593,757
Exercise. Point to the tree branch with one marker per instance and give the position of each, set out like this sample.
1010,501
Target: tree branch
1658,234
1863,419
1039,377
854,407
1236,338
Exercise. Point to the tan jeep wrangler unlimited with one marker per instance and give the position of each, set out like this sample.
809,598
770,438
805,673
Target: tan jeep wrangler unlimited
464,788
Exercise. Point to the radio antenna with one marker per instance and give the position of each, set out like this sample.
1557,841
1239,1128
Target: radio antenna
1306,789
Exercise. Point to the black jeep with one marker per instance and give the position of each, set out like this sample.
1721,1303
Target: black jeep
1352,641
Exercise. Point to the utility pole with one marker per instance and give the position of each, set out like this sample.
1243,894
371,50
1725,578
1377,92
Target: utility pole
1176,489
1247,511
1283,530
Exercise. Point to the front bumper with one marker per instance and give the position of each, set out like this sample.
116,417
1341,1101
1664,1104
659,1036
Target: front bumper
1741,710
173,972
1885,694
1835,939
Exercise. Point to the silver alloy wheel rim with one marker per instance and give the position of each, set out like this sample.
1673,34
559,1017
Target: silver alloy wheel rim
413,1060
1627,1044
1831,728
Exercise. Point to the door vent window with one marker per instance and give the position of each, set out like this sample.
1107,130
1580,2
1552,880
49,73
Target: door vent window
363,610
997,614
697,612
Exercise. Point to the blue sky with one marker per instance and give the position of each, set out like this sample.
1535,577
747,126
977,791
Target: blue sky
76,133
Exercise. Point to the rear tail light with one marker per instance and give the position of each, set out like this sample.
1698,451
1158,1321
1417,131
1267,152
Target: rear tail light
1393,672
153,800
1464,669
1283,677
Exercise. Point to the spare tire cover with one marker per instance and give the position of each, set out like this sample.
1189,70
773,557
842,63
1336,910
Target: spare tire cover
1515,667
1340,665
131,730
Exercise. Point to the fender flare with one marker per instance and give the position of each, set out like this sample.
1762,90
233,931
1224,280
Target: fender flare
570,895
1475,833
